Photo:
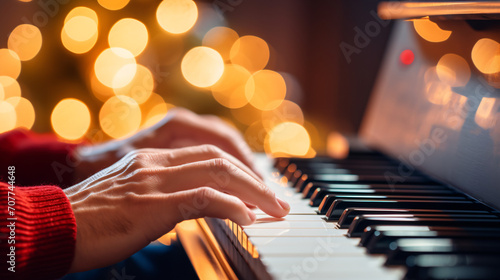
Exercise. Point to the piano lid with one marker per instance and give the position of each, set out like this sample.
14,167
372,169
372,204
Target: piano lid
436,104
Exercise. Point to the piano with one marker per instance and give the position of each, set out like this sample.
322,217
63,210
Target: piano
419,199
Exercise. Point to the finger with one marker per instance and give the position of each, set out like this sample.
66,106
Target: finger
207,202
189,125
222,175
194,154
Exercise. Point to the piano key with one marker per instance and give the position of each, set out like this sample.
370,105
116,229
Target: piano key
350,213
295,246
328,200
339,205
359,179
372,231
381,241
344,267
456,272
296,232
361,222
319,193
431,260
291,224
342,224
409,247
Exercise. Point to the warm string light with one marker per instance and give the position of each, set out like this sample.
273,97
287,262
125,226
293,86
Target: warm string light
230,67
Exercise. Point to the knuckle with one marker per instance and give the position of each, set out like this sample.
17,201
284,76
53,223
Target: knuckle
204,194
131,198
266,190
211,150
220,164
138,159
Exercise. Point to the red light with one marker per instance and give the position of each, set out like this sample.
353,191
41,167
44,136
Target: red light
407,57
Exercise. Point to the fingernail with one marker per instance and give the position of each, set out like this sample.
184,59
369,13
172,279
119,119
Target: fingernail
251,216
283,204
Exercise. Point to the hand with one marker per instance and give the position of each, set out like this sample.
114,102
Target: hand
180,128
144,195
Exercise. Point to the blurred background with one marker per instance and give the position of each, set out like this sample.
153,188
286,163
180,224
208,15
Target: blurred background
293,76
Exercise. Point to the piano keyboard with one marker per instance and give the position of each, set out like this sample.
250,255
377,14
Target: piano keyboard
347,222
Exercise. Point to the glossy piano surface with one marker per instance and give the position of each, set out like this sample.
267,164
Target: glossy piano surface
440,113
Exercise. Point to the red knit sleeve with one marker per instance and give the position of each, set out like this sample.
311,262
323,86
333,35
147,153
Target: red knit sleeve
40,159
37,234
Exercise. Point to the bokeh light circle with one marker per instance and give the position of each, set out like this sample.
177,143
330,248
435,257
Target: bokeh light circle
202,66
70,119
177,16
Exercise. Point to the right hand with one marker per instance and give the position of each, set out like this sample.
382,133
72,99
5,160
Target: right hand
124,207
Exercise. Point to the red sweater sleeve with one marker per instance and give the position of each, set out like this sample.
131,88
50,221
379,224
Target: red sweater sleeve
38,158
40,242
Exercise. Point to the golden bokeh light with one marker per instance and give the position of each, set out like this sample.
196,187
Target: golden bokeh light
141,86
82,11
269,90
25,113
8,116
99,90
230,91
177,16
486,56
436,91
287,111
120,116
10,63
129,34
337,146
288,139
247,114
80,28
453,70
26,41
221,39
79,42
2,93
115,67
250,52
485,114
80,31
113,5
430,31
202,66
70,119
10,87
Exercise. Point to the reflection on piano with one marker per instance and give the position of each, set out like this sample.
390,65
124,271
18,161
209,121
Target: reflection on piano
424,206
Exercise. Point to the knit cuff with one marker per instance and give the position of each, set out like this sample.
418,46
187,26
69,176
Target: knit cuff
44,232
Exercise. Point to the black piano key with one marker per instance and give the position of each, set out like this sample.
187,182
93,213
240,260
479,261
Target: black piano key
372,231
350,213
356,179
404,248
381,240
359,223
421,266
456,272
329,199
431,260
319,193
339,205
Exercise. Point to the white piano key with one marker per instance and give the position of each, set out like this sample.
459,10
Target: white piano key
309,217
291,224
296,232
